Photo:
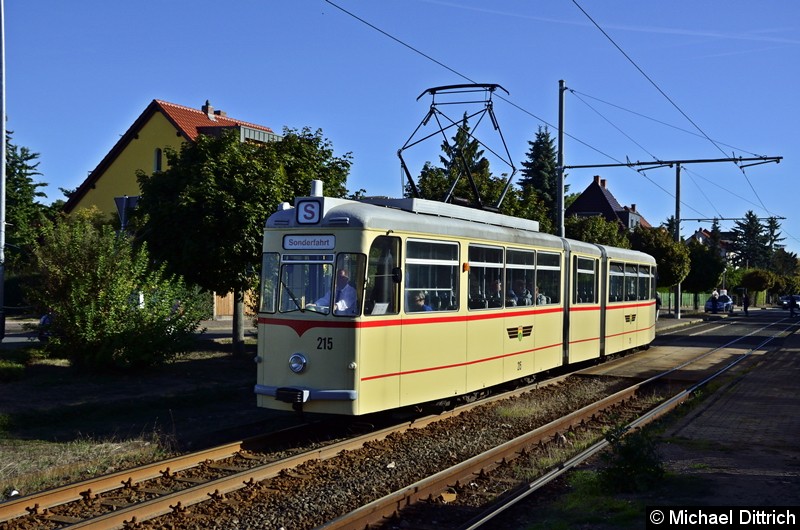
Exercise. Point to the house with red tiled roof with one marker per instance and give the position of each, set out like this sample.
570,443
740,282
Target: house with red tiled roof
597,199
161,125
726,239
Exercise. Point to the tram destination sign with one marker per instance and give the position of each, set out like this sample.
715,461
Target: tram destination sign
309,242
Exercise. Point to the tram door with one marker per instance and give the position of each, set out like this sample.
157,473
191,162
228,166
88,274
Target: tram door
486,333
381,340
585,315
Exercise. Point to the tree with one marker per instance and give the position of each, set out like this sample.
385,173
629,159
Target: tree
461,160
751,243
531,206
756,280
203,217
773,234
595,229
707,267
110,310
670,225
715,237
672,256
24,214
540,173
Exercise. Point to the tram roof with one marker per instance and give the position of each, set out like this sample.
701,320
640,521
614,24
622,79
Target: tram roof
416,215
453,211
436,218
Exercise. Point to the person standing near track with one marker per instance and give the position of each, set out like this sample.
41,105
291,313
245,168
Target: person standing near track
745,303
658,304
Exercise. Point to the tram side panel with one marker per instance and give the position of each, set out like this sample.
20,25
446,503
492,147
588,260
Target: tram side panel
644,324
432,362
548,338
485,364
518,335
378,365
621,327
584,333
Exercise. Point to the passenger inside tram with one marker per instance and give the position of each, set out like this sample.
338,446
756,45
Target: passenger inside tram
418,302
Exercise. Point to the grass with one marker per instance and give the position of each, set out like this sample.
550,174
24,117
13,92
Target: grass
588,503
70,426
34,465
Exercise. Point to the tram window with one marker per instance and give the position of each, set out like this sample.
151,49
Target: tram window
585,280
304,284
548,278
631,280
616,282
485,277
520,276
644,282
431,272
382,293
348,294
653,278
270,268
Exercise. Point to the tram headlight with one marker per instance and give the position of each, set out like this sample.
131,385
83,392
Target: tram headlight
297,363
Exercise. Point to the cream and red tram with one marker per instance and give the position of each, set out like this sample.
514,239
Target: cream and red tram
424,322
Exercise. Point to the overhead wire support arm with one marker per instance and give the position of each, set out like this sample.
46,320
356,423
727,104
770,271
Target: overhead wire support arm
670,163
712,219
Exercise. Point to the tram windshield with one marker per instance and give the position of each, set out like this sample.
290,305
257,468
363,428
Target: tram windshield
313,283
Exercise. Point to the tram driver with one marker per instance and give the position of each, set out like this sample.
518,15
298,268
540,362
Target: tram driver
344,299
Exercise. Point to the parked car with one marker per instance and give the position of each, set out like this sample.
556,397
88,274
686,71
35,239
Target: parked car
724,304
785,300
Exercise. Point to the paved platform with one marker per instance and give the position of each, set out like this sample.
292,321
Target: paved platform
744,439
19,332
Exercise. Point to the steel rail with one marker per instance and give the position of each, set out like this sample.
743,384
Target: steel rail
657,412
214,488
392,504
42,502
36,503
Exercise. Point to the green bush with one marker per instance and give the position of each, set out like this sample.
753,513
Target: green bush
110,307
632,464
11,371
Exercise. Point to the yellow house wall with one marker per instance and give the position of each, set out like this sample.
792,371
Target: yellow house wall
120,177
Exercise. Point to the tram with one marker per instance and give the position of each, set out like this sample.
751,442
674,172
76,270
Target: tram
380,304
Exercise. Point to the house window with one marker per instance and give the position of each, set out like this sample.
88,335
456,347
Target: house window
157,161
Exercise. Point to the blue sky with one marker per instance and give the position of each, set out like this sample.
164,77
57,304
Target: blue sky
674,80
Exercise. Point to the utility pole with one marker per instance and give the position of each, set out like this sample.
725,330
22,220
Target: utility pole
677,233
560,159
2,171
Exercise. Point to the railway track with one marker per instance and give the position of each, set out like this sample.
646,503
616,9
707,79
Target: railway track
128,498
238,481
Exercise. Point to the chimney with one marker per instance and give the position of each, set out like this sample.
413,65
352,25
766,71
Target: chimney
603,183
633,207
597,179
208,110
220,113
